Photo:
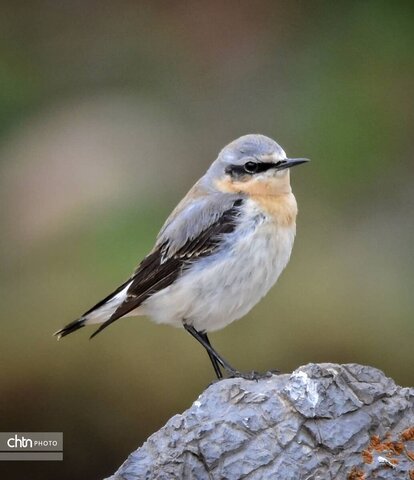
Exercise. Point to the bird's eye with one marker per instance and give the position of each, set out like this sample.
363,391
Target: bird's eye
250,167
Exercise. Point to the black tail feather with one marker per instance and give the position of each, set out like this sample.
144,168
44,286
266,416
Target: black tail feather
98,330
114,316
70,328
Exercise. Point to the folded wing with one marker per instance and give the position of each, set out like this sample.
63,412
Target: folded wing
167,261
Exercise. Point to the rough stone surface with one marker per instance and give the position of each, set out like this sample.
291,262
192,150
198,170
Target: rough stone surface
321,422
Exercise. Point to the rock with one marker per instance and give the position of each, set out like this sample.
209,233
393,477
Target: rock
323,421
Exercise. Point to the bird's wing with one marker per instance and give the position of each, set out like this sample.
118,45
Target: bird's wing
195,213
171,254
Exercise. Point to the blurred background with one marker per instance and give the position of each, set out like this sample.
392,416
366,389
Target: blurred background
109,111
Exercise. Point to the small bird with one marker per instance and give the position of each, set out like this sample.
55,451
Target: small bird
218,253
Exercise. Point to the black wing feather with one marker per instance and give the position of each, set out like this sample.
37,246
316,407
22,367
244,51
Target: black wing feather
157,271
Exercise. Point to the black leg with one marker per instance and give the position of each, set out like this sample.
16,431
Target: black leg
206,344
213,359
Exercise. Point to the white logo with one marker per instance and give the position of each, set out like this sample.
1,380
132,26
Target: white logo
16,442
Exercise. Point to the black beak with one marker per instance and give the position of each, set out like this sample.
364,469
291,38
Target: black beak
290,162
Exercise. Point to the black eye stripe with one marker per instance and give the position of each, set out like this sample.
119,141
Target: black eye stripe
235,170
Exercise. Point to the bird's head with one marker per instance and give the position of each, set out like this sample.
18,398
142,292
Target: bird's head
252,164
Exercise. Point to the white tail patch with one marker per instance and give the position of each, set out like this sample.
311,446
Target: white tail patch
104,312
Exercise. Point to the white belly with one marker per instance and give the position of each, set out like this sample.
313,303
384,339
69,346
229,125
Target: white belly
224,286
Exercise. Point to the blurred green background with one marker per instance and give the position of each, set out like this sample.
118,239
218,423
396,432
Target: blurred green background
109,111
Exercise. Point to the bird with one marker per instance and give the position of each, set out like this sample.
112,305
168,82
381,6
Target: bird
218,253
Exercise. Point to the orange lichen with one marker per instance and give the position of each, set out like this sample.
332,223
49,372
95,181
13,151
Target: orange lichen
407,435
356,474
375,441
388,449
367,456
397,447
388,446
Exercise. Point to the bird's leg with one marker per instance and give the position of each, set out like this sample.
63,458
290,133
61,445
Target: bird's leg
212,353
213,359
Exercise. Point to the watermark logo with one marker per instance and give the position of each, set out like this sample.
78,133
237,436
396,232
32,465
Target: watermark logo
31,446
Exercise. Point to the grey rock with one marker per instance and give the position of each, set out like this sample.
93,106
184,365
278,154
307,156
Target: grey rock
322,422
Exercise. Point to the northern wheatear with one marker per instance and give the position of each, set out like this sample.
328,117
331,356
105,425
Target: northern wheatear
220,250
